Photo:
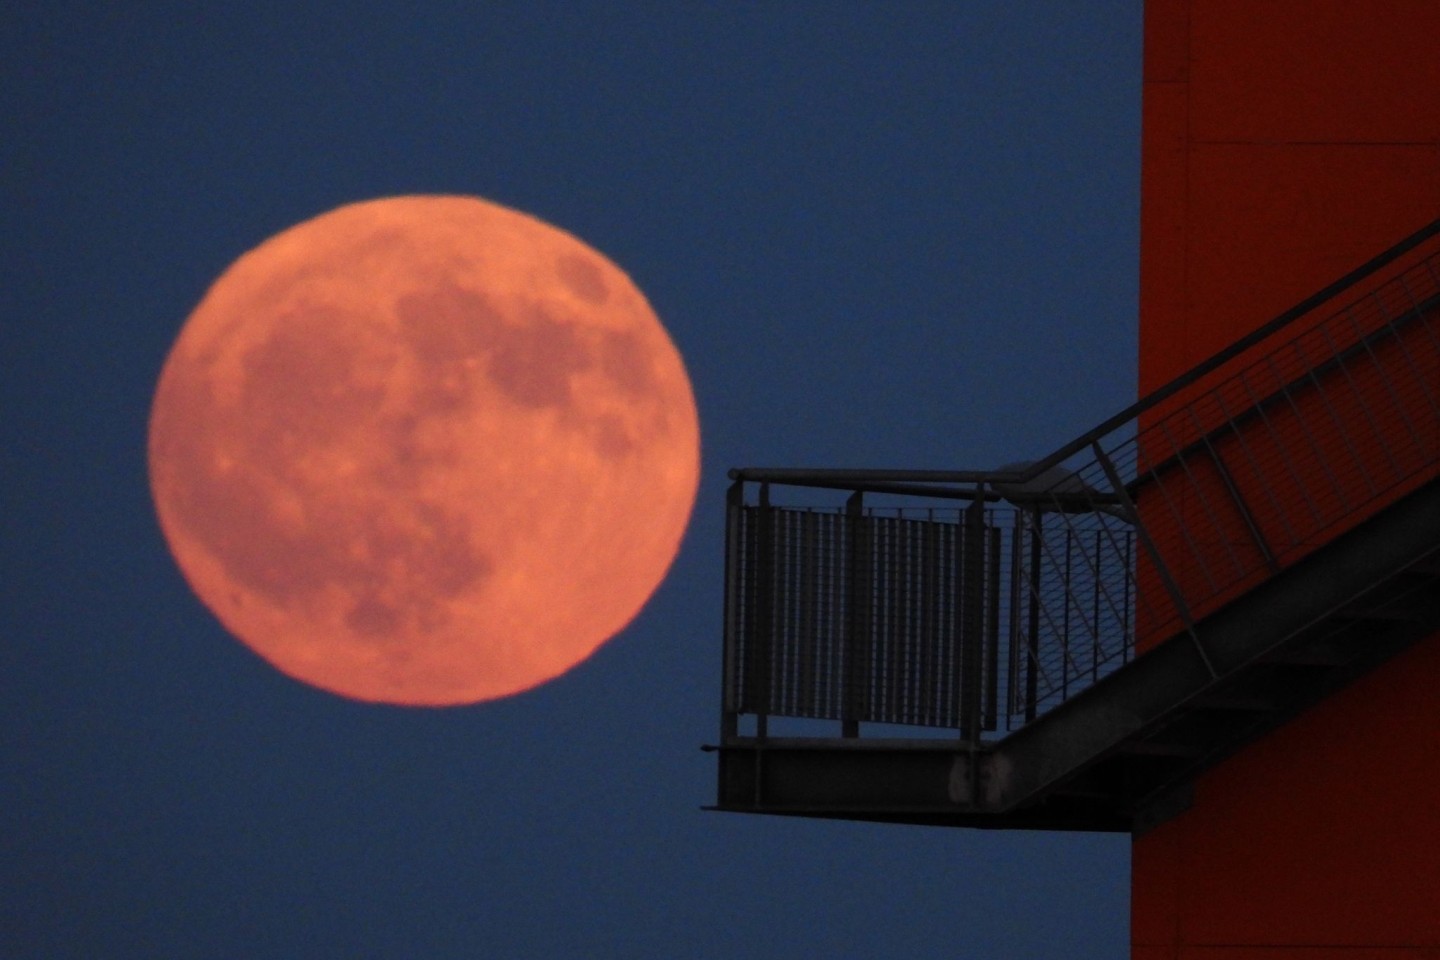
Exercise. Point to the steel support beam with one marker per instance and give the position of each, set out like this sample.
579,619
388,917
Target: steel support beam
1267,621
1119,755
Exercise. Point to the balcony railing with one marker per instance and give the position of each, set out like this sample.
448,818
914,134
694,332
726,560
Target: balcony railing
974,601
970,618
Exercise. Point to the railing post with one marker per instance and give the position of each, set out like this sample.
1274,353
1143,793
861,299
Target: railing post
857,617
1032,625
990,720
734,586
1014,632
1171,587
972,620
1247,516
762,640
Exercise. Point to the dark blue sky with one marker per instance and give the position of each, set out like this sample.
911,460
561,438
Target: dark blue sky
882,234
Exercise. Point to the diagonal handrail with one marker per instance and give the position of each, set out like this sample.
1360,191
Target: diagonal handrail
893,480
1181,502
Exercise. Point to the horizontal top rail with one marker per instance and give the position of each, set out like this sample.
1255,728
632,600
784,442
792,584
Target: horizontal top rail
867,479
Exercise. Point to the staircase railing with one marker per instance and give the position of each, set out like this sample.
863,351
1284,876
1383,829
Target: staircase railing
974,601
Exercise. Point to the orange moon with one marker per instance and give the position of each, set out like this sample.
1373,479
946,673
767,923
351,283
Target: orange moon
423,450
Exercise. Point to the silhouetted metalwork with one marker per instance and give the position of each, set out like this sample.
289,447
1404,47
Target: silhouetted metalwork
978,600
973,618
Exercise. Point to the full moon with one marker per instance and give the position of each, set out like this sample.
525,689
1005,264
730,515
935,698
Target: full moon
423,450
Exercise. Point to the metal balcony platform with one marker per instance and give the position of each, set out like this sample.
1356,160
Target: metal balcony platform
1120,755
1266,530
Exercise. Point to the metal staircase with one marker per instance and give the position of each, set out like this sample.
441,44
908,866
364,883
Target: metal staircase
1067,644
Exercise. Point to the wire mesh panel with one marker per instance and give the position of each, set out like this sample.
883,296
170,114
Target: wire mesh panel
1073,600
966,619
860,616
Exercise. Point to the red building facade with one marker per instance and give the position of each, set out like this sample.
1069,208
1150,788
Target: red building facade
1284,143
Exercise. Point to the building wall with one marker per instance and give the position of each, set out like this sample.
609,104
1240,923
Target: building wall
1284,143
